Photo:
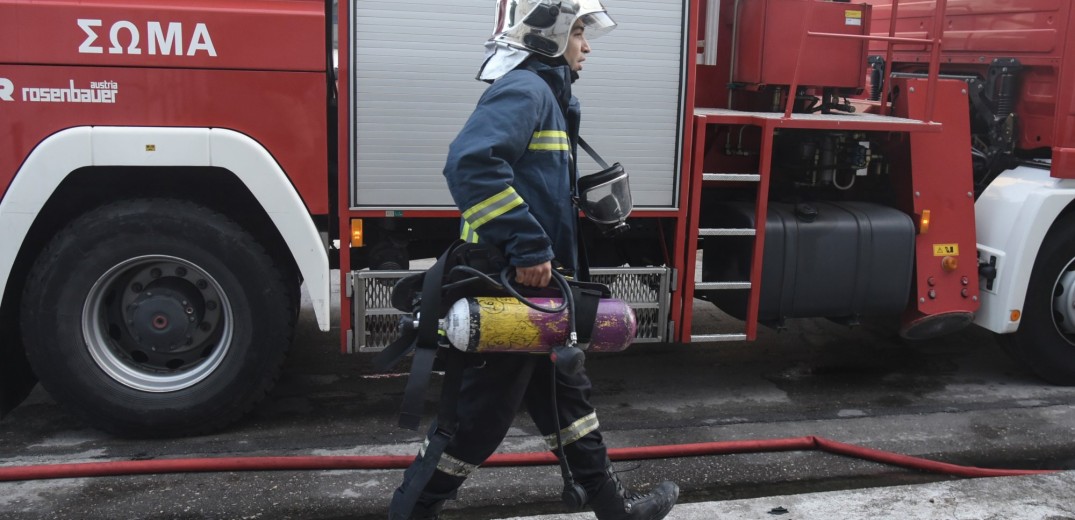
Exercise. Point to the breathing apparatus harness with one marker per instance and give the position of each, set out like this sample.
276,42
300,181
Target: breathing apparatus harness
467,269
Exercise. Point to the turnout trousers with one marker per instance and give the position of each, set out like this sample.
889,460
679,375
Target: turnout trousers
489,397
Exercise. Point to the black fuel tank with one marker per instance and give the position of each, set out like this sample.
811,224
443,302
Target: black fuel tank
821,259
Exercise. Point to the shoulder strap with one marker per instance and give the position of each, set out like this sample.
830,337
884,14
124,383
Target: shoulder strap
593,153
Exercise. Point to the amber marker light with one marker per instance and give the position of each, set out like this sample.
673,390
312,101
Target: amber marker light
1016,315
356,232
949,263
923,222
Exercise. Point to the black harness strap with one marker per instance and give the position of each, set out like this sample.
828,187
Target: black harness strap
455,361
425,347
444,429
394,353
410,415
438,441
586,301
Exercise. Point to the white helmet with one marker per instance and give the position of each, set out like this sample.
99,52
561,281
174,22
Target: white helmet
544,26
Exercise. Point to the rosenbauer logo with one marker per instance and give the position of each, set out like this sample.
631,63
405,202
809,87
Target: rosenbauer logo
98,92
6,88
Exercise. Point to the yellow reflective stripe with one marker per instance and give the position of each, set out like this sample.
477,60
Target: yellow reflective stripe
549,146
449,464
466,234
550,133
498,211
575,431
491,208
507,192
555,140
455,467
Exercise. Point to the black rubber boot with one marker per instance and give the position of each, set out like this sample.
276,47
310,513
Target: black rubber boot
427,512
615,502
423,510
430,501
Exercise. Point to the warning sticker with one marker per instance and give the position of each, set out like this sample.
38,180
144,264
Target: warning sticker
945,249
852,17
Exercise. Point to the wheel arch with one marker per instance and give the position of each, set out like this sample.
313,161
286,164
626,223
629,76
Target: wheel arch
80,168
1010,217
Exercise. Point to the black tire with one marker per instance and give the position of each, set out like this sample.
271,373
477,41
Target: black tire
156,318
1045,340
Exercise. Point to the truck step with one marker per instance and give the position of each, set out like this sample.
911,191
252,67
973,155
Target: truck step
726,232
731,177
720,286
702,338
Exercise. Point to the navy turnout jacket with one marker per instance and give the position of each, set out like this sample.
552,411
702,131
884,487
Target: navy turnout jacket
511,167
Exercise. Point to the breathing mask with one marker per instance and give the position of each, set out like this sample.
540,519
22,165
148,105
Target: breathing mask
605,197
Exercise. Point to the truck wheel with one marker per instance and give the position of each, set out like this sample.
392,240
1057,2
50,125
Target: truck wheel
156,317
1045,340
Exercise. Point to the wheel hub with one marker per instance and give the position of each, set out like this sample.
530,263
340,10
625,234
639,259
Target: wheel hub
1064,302
165,319
157,323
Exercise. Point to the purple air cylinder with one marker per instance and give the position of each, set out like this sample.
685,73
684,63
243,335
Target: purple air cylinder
500,324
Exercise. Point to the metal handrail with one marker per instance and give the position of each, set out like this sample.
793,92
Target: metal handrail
934,60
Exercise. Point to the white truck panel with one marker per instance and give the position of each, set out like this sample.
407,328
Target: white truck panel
44,169
1012,218
413,87
177,147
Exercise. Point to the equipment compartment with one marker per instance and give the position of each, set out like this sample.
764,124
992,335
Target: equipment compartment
767,37
410,91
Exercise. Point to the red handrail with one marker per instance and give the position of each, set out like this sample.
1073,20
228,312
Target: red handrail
934,60
888,59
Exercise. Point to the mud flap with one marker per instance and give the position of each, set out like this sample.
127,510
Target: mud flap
16,377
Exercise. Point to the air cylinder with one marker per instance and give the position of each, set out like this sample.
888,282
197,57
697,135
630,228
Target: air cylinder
501,324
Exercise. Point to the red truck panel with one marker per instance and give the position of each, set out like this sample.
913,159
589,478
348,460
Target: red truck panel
768,36
1029,29
246,87
979,31
257,35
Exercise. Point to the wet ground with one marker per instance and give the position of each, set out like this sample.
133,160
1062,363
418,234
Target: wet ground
959,399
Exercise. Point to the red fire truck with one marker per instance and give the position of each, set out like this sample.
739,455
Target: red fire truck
175,175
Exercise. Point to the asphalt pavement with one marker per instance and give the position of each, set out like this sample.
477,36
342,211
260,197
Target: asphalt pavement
1036,497
957,399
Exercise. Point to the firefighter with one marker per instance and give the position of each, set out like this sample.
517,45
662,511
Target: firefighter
510,171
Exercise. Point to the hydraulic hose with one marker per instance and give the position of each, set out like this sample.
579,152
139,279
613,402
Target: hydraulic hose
372,462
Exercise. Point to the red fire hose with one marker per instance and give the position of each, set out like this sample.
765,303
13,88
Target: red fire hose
367,462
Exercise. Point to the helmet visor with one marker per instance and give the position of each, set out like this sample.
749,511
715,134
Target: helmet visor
597,24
